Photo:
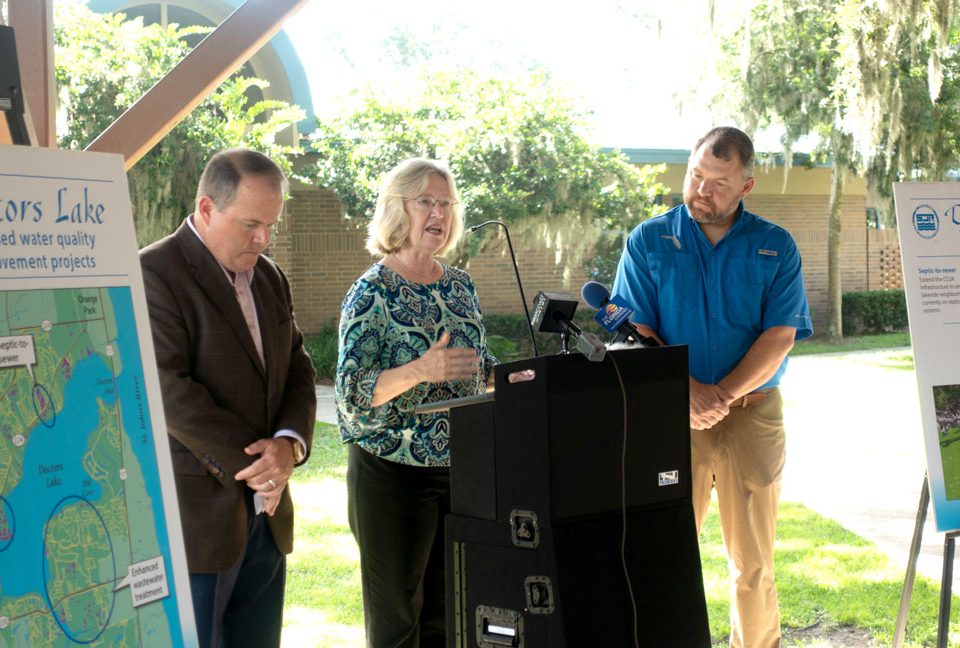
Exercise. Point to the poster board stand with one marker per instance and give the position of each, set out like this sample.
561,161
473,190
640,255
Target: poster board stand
928,226
900,630
946,581
943,624
91,546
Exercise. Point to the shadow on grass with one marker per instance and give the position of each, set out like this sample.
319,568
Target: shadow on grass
826,577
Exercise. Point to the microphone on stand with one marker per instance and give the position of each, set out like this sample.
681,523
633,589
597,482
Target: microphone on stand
553,313
516,272
613,314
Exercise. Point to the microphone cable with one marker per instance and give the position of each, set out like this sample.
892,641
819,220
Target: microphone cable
623,504
516,272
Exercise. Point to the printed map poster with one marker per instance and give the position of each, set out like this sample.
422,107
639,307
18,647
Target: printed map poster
91,548
928,219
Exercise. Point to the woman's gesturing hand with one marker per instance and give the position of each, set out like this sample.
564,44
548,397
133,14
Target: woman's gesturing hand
442,364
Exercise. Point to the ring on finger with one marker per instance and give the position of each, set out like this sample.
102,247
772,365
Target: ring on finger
272,483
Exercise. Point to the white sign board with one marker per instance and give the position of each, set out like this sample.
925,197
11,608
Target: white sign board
928,219
91,548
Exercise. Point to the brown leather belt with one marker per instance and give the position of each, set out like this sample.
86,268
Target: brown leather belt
753,398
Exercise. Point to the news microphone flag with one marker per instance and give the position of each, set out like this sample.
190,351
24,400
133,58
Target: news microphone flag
614,314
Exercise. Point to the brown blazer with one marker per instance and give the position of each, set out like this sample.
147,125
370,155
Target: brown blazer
217,395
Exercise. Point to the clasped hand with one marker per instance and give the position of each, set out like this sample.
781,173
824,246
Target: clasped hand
709,404
443,364
269,474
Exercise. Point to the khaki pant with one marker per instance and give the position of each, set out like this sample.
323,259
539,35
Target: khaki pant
743,457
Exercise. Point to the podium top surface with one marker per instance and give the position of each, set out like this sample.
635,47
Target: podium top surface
444,405
562,373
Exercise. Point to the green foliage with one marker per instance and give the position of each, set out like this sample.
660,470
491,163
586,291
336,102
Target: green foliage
904,61
877,80
518,148
909,97
508,337
874,311
946,396
323,349
503,349
784,61
514,328
104,63
787,63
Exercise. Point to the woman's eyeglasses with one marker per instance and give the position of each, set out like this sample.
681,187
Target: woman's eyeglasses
425,204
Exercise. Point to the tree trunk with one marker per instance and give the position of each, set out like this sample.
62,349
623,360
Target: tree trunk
834,290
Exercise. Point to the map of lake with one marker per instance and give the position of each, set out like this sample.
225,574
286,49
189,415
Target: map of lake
84,545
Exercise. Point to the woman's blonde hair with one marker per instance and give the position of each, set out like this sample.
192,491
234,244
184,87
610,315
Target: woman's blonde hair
390,226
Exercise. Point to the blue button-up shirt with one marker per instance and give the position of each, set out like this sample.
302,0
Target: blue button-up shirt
717,299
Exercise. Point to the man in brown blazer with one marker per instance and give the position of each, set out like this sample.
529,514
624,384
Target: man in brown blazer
238,393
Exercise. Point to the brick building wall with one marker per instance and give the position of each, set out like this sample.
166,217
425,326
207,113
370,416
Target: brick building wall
885,269
541,268
805,217
323,254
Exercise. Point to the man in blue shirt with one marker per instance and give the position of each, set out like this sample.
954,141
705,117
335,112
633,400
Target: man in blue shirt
727,283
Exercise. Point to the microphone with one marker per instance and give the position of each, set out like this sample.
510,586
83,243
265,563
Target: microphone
613,314
516,272
553,313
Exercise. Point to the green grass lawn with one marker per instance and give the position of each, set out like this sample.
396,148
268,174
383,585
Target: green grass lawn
826,575
950,458
862,343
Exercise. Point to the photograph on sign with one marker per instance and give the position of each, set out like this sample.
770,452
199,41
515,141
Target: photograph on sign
928,222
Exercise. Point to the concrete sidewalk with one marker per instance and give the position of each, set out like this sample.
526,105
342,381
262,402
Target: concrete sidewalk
326,408
854,451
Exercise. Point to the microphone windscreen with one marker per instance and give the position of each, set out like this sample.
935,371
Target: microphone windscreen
595,294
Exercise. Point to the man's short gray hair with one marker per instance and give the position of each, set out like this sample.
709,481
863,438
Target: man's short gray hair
225,170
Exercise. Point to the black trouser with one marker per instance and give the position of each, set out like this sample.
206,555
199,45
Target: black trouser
396,515
243,606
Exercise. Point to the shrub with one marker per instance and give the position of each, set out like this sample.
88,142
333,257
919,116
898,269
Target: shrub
514,328
505,349
874,311
507,336
322,347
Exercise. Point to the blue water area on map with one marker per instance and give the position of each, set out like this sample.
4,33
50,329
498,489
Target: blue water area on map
52,471
129,385
53,468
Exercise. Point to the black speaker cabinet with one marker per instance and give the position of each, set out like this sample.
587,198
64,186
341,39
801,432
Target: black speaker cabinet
571,588
552,439
547,479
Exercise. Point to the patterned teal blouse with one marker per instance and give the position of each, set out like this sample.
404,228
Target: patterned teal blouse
387,321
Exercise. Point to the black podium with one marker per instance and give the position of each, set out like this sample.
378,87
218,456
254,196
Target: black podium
547,484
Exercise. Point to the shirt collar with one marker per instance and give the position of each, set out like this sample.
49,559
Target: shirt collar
688,220
246,275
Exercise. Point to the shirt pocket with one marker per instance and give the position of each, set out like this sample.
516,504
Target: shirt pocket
677,279
749,280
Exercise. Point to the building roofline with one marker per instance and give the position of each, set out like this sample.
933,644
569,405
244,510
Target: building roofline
680,156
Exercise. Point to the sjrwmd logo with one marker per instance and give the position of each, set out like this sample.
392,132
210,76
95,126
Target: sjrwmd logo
925,221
